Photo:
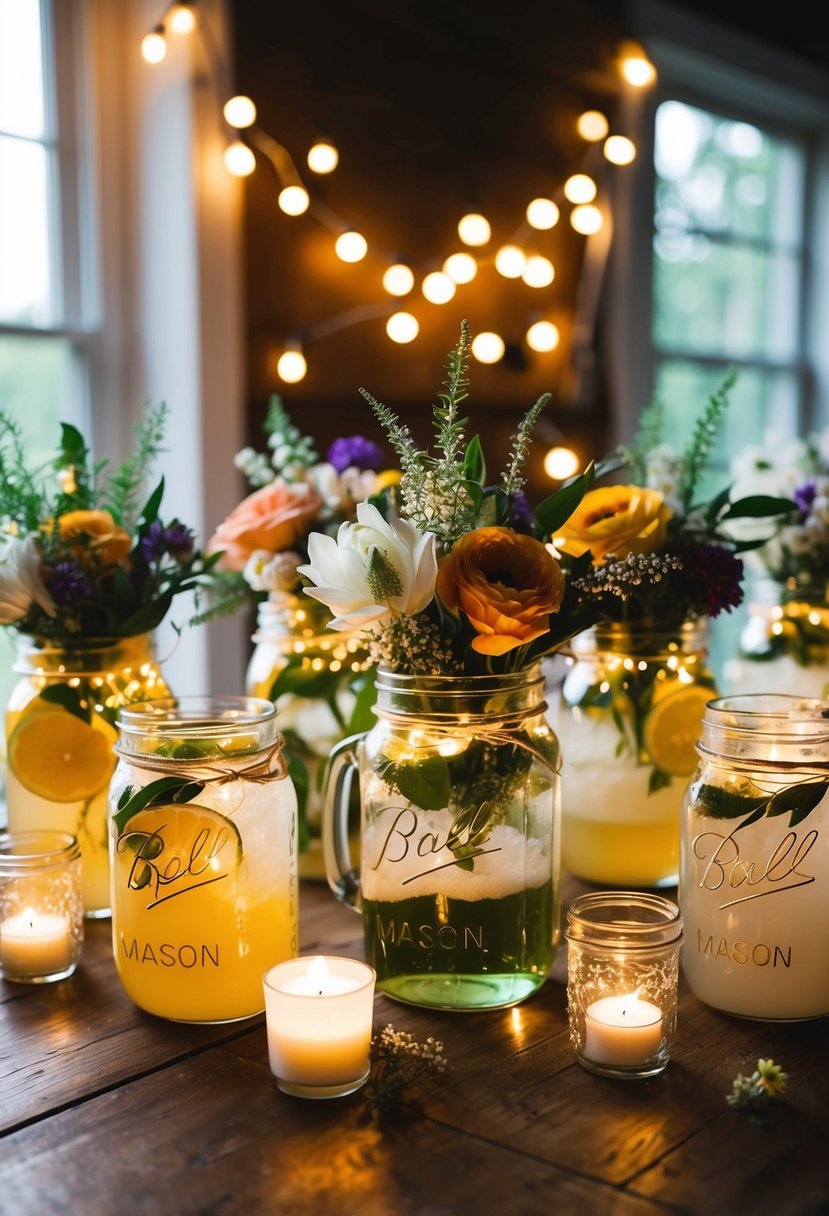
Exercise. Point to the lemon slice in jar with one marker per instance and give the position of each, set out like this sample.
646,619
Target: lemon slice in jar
672,729
57,756
177,848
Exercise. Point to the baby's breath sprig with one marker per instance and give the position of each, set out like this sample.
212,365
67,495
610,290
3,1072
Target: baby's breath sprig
399,1060
750,1093
413,644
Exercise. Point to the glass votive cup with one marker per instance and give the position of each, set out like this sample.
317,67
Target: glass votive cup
622,976
41,906
319,1014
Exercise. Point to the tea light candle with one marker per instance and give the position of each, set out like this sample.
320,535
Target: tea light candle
35,944
319,1019
622,1030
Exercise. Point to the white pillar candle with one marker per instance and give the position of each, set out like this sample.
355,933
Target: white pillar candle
319,1020
622,1030
35,944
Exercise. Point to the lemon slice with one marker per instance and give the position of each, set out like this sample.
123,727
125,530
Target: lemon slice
180,847
57,756
672,729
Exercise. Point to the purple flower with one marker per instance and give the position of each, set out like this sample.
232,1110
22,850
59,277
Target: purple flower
521,513
355,451
804,496
68,584
158,541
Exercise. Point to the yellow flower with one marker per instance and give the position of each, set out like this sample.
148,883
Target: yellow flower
506,583
615,520
99,539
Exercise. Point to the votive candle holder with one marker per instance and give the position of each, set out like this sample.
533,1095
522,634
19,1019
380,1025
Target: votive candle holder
41,906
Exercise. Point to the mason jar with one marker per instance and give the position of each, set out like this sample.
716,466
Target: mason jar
203,848
457,877
784,643
754,869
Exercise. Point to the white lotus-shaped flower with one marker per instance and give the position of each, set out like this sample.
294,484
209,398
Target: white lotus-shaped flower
20,581
372,569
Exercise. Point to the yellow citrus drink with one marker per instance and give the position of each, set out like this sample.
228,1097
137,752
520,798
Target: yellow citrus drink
203,852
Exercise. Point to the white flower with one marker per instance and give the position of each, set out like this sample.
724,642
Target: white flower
265,571
340,491
663,472
20,581
372,569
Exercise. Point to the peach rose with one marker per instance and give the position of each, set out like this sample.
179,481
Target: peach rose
272,518
507,584
99,539
617,520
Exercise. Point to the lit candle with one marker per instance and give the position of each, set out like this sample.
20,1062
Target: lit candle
35,944
622,1030
319,1019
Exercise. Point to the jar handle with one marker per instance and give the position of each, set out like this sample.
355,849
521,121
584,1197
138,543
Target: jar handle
342,767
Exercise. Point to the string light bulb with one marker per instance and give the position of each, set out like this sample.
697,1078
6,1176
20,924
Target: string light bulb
488,347
474,229
592,126
154,45
510,261
181,18
291,365
398,280
239,159
543,336
579,188
538,271
619,150
402,327
561,463
351,246
293,200
542,213
460,267
322,157
635,66
239,112
586,219
437,287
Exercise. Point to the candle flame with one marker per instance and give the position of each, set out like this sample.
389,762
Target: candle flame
318,973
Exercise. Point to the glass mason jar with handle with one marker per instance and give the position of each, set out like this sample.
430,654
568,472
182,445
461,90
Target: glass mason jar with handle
458,874
61,726
754,876
203,848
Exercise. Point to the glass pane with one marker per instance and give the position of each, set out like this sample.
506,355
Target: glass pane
725,300
25,264
21,69
37,376
719,176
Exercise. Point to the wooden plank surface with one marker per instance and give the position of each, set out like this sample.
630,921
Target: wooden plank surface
106,1110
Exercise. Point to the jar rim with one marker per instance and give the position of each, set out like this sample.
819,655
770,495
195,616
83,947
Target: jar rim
210,714
772,713
630,919
388,680
36,850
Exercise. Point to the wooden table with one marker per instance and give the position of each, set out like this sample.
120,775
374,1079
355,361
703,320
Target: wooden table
107,1111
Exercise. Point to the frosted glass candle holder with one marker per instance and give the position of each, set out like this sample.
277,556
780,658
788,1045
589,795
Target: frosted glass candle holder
41,906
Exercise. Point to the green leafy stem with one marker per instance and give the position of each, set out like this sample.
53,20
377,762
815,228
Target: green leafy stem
797,801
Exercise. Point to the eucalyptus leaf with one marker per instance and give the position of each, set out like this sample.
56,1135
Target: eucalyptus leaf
426,783
69,699
557,509
800,800
163,791
474,465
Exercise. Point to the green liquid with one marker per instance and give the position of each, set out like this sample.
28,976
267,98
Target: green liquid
462,954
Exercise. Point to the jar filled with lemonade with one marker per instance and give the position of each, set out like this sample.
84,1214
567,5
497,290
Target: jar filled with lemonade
60,732
203,845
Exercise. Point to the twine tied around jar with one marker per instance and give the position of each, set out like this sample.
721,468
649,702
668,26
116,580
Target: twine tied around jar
269,765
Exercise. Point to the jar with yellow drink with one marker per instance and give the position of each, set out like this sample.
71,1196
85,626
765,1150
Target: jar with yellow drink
203,844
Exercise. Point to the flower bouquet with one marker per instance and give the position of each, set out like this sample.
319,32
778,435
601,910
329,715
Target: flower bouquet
88,569
321,681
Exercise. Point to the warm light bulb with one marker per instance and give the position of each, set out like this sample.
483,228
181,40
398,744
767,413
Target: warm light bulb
619,150
586,219
542,213
636,68
239,112
291,366
461,267
561,463
580,188
153,46
323,157
437,287
398,280
538,271
181,19
510,261
239,160
488,347
543,336
592,126
474,229
402,327
293,200
351,247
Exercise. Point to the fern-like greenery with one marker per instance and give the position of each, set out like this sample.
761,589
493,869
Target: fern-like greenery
706,430
121,495
513,476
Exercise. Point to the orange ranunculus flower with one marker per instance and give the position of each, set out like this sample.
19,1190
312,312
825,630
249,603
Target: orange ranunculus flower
617,520
272,518
99,540
507,583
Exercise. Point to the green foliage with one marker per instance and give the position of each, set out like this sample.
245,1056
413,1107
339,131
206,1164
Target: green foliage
706,431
